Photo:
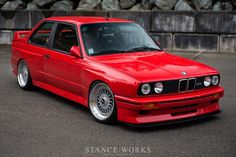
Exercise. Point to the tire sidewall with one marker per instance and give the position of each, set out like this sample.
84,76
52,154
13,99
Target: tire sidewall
113,117
29,80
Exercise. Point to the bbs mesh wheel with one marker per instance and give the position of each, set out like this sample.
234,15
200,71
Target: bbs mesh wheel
102,103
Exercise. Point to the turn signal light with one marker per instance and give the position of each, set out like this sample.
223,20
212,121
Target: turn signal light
150,105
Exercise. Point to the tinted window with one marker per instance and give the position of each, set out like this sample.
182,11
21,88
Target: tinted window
41,36
109,38
65,38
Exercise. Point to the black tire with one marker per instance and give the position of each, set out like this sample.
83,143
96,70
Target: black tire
101,102
24,79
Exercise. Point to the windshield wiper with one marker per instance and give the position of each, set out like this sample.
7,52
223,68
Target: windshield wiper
143,48
106,52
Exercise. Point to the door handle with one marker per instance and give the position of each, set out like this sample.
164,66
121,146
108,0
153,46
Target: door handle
47,56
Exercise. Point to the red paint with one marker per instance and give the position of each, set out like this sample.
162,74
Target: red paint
71,77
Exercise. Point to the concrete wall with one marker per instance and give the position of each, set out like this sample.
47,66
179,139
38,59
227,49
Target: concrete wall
180,31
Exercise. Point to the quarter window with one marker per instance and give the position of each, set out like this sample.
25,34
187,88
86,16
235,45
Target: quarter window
41,36
65,38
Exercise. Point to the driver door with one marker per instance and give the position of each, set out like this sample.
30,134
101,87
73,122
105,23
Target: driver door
62,70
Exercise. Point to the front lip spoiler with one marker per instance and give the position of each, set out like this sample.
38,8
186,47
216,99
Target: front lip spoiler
174,121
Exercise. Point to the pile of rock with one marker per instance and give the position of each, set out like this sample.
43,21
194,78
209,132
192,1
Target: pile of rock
108,5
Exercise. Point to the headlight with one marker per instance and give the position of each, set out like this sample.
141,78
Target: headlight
146,88
207,81
215,80
158,87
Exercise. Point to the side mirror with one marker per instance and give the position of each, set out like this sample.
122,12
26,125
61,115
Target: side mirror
75,51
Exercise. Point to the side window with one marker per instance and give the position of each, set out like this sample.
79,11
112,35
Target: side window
65,38
41,36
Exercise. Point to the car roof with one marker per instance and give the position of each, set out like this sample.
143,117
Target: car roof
86,19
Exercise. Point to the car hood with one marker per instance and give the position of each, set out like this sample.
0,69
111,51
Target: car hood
153,66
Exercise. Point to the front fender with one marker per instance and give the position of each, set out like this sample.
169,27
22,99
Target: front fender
120,84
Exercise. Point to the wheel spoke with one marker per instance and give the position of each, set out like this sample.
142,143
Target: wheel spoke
101,101
23,74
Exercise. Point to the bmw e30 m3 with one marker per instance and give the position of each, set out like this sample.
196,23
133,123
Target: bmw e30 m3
113,67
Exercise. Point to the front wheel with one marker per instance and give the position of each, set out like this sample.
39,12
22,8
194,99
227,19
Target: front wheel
23,76
102,103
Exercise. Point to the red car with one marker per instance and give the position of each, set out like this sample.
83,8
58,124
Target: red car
113,67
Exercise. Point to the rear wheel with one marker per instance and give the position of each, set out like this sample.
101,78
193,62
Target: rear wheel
102,103
23,76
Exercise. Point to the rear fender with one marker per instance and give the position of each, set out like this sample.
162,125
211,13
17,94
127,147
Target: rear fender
21,36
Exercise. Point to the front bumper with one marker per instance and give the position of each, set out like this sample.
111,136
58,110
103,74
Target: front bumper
167,108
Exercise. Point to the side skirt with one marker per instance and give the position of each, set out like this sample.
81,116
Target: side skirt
61,92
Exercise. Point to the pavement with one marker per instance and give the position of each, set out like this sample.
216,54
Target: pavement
39,123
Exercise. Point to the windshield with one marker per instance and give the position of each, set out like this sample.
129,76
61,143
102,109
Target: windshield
111,38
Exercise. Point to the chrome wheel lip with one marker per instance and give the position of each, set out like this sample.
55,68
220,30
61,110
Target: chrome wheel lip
23,74
101,101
